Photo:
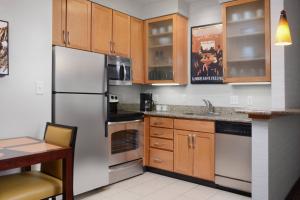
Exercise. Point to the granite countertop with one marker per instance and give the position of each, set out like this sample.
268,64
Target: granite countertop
259,113
194,112
236,117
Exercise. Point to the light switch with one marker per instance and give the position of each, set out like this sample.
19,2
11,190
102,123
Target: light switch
39,87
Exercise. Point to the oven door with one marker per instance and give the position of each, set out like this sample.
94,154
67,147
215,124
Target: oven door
125,141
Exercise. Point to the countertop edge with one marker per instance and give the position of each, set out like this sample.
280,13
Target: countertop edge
197,117
268,114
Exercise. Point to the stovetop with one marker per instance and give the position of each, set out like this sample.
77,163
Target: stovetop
124,115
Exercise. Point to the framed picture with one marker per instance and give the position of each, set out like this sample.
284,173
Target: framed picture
206,54
3,48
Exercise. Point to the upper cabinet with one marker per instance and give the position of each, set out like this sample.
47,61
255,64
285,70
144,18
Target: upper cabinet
59,22
247,41
72,23
101,29
110,31
136,50
121,34
166,49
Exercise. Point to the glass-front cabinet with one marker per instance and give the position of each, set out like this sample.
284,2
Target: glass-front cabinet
166,49
246,41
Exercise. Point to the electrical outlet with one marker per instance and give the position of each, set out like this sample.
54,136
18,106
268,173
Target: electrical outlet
234,100
250,100
39,87
155,97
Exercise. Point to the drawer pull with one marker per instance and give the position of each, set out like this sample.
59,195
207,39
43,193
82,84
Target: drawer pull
157,133
157,123
157,144
157,160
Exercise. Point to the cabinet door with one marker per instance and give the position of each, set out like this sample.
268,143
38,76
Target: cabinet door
204,164
183,152
136,52
58,22
79,24
246,36
121,34
101,29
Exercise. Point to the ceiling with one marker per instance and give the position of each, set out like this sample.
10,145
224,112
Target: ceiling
150,1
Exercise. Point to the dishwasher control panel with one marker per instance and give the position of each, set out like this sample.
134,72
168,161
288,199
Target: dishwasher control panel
234,128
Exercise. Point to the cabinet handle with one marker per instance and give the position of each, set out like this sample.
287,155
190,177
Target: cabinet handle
190,140
157,160
194,141
157,123
157,144
68,37
110,46
64,36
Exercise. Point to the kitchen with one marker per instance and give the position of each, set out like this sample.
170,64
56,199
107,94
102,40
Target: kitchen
275,96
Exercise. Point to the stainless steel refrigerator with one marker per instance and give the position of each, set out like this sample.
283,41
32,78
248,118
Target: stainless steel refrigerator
79,88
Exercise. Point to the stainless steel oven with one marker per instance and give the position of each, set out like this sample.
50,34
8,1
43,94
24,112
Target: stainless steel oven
125,149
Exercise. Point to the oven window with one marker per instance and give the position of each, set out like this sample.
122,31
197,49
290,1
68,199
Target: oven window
125,140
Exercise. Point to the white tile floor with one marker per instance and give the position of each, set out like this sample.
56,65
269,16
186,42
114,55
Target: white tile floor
150,186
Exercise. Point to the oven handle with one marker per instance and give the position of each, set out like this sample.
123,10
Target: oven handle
125,122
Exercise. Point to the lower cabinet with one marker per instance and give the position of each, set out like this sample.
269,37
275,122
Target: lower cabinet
194,154
161,159
188,150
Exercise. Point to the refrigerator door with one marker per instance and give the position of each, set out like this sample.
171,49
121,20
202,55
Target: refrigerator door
78,71
88,113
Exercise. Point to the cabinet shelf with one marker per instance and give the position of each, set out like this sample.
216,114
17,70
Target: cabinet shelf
161,65
246,59
160,45
245,20
241,35
161,34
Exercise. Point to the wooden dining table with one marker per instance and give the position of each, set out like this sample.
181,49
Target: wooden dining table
23,152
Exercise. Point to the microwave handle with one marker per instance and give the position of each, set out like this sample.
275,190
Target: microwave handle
124,68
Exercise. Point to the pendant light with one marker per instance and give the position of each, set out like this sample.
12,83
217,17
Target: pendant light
283,33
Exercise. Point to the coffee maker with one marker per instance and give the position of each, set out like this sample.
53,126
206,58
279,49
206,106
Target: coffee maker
146,102
113,103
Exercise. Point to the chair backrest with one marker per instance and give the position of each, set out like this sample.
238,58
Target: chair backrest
59,135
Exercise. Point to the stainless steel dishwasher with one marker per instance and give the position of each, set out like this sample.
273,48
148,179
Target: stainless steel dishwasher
233,155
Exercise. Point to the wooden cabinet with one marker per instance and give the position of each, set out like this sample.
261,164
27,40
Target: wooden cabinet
137,50
204,159
166,49
72,23
59,9
121,34
101,29
194,154
183,153
247,41
110,31
184,146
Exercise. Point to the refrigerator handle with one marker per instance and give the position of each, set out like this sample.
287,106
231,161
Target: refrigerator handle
106,129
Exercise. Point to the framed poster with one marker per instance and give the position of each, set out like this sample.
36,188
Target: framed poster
206,54
3,48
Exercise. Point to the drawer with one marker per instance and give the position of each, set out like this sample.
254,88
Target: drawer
194,125
161,133
161,159
161,122
161,143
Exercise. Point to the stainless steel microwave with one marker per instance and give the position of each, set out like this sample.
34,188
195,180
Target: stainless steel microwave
119,70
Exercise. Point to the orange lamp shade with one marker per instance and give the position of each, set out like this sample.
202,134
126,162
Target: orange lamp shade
283,33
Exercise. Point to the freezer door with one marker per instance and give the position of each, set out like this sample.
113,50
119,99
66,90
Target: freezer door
78,71
87,112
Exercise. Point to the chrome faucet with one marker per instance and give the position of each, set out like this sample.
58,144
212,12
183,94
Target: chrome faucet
209,107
